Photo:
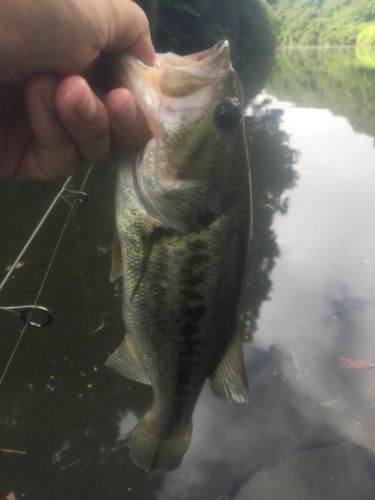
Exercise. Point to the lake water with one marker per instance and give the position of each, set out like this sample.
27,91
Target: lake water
309,307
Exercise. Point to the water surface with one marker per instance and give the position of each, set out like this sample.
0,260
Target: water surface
309,430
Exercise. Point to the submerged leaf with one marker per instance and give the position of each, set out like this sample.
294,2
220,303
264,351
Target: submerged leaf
12,451
355,364
100,327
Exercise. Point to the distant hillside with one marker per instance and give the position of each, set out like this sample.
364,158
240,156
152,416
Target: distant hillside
324,22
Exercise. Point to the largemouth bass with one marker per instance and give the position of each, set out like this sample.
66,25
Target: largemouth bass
183,218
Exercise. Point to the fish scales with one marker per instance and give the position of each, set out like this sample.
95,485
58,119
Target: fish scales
183,251
179,303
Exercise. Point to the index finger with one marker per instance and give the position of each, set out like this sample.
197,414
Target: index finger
128,28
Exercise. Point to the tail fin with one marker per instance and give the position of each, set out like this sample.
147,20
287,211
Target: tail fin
156,452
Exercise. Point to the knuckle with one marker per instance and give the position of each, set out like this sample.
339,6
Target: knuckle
143,25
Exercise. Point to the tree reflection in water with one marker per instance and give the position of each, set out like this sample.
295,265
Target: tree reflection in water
272,162
340,80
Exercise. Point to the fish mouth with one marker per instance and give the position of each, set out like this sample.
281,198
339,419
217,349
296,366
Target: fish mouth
211,63
208,65
176,85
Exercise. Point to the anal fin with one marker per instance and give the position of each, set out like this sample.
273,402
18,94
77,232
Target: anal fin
124,361
229,381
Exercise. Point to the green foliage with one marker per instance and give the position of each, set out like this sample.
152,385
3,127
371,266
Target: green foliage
333,79
367,35
321,22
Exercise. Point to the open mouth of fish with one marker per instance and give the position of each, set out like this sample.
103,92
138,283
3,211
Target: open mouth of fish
176,87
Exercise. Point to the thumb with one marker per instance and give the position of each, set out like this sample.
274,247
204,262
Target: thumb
128,28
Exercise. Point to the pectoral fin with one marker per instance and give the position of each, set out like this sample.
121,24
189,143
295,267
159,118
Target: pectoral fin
116,270
229,380
148,244
124,361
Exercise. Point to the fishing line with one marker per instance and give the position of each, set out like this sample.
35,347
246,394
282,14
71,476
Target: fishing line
83,282
82,274
34,233
29,241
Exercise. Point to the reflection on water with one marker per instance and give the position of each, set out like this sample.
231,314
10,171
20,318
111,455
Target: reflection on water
365,57
340,80
308,432
272,165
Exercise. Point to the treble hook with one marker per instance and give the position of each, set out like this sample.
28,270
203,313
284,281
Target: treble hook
25,313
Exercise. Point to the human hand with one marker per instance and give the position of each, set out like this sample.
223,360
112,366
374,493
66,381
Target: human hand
51,117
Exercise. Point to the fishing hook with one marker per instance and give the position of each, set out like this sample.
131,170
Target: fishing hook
26,312
80,196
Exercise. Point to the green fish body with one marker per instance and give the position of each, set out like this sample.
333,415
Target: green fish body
183,218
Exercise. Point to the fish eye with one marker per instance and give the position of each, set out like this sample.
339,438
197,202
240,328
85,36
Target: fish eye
228,114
